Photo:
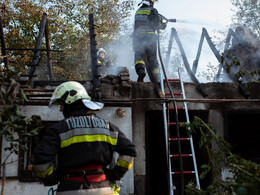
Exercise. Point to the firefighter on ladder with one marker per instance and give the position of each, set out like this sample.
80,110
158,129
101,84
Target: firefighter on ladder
84,144
147,21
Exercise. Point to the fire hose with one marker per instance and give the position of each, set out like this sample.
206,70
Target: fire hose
51,191
174,104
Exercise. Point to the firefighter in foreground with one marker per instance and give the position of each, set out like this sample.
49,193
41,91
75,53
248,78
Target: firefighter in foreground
103,62
84,144
147,21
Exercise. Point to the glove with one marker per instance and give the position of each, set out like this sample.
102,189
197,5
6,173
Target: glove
109,175
109,62
113,174
163,26
51,180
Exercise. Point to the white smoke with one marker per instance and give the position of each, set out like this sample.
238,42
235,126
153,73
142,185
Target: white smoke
123,54
191,17
189,31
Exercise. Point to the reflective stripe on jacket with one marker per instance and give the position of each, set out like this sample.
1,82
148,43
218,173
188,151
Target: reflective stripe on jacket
146,20
81,140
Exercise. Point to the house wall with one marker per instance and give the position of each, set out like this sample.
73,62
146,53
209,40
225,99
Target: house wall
144,101
133,124
13,186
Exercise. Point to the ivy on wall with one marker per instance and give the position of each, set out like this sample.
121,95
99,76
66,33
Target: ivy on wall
244,175
16,129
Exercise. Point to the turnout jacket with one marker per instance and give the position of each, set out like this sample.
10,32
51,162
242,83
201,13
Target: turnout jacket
103,65
147,20
80,140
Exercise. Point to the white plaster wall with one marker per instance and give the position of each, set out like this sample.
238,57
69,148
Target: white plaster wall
125,125
46,113
11,168
14,187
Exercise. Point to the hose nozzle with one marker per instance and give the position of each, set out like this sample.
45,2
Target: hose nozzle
172,20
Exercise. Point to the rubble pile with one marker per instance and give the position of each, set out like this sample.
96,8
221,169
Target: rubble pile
117,85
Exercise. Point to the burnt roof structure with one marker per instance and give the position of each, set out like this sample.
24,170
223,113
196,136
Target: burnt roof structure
221,104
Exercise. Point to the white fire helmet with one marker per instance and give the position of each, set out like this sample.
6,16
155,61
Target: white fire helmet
147,2
72,91
101,50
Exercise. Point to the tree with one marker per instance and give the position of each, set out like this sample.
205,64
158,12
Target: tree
247,13
14,128
68,26
245,175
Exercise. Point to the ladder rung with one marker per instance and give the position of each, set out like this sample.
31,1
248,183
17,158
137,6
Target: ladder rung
178,108
183,155
182,139
174,123
171,80
179,93
184,172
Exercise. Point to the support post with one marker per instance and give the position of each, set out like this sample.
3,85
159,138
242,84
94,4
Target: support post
196,61
187,65
211,45
49,57
35,60
93,52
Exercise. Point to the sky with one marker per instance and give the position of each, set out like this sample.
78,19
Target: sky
202,12
192,16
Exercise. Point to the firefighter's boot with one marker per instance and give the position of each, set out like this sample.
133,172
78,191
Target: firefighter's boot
158,90
141,74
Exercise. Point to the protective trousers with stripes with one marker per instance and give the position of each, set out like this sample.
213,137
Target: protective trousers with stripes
145,48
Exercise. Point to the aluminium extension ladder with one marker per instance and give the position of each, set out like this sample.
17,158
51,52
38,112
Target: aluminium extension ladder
172,139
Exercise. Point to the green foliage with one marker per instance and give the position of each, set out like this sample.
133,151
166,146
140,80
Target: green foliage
245,175
15,128
232,64
69,32
247,13
210,72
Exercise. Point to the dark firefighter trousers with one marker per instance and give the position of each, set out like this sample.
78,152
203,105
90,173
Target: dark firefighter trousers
145,48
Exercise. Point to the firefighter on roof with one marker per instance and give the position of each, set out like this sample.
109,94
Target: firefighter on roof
84,144
147,21
103,62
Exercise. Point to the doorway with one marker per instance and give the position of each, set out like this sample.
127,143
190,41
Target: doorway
243,132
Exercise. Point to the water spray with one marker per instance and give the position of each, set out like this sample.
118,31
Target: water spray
166,20
194,21
185,21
